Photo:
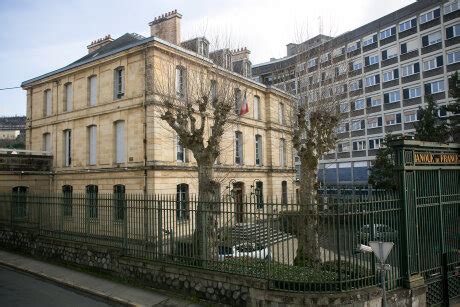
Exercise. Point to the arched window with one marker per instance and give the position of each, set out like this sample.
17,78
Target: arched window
19,201
182,202
92,200
67,191
119,201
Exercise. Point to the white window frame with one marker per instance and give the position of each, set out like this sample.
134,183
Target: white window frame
354,85
376,143
386,33
360,145
342,128
391,122
403,25
352,46
409,69
312,62
181,81
427,16
373,102
344,107
372,122
430,38
67,147
368,40
258,150
415,92
357,65
370,81
360,104
430,63
180,151
388,75
374,59
453,57
437,86
451,6
392,96
119,82
410,116
345,147
356,125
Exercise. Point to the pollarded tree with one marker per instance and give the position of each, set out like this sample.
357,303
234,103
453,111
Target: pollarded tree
430,127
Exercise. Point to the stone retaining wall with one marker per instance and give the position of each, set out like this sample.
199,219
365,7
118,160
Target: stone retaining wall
213,286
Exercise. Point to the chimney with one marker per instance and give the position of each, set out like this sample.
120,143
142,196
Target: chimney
167,27
98,43
241,63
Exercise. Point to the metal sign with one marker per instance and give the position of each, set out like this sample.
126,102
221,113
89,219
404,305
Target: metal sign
381,249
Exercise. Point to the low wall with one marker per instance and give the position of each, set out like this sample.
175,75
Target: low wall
214,286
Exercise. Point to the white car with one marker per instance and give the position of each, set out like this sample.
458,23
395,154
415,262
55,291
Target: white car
249,250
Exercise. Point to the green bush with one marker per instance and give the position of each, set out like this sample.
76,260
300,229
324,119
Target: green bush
347,269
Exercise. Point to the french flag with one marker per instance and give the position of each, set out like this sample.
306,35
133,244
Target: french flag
244,105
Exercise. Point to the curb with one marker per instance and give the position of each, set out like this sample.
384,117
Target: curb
60,282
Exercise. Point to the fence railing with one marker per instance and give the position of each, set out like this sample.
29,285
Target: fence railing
250,237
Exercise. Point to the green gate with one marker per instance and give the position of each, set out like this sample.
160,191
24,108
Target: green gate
430,186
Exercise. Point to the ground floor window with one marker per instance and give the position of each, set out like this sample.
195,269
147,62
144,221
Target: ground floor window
119,201
92,200
19,201
67,191
182,205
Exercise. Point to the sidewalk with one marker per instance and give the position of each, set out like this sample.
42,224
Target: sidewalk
106,289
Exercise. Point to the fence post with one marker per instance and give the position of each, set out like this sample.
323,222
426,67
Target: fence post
160,229
125,227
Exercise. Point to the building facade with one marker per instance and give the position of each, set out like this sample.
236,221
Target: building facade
383,70
99,118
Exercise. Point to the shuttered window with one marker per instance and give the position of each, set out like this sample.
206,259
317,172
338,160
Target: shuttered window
119,82
67,147
92,141
120,141
92,85
47,105
68,97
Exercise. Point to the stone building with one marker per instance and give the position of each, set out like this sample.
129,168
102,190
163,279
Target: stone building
99,119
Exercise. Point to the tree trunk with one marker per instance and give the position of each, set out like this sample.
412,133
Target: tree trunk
308,252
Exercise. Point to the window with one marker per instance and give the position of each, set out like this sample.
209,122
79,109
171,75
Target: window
47,142
391,97
372,80
238,148
357,65
338,52
311,62
390,53
371,60
257,107
374,122
433,63
387,33
67,147
406,25
428,16
119,201
369,40
453,31
390,75
325,57
258,149
47,103
343,127
410,69
453,57
343,147
451,7
282,153
392,119
409,46
281,113
259,193
434,87
119,82
431,39
442,112
344,107
19,201
373,101
359,104
238,101
375,143
92,200
412,92
358,124
67,191
284,193
180,81
68,97
410,116
356,85
120,142
180,151
92,93
359,145
297,167
353,46
92,143
182,202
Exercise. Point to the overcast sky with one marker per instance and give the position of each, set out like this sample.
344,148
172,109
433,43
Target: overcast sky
37,36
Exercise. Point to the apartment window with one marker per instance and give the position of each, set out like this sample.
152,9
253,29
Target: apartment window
371,60
92,94
259,193
389,53
284,192
119,82
357,65
343,127
433,63
19,201
67,191
434,87
392,97
453,57
92,144
340,70
358,124
428,16
258,149
325,57
369,40
359,145
282,152
356,85
344,107
353,46
311,62
343,147
387,33
412,92
410,69
238,148
340,89
374,122
47,105
119,201
372,80
257,107
46,142
120,142
442,112
410,116
453,31
238,101
375,143
180,151
431,39
409,46
182,202
406,25
338,52
67,147
392,119
390,75
373,101
180,81
281,113
68,97
359,104
92,200
451,7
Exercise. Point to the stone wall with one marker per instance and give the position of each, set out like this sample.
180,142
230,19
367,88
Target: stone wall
213,286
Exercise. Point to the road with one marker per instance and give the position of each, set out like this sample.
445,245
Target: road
20,289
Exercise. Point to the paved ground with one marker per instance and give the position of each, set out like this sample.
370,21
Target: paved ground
104,289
